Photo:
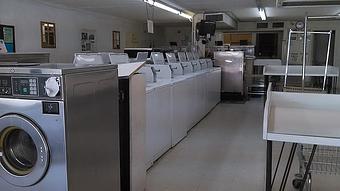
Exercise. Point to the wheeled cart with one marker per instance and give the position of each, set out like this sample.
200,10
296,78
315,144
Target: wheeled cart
308,120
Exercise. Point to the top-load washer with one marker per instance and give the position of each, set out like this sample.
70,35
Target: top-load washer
59,128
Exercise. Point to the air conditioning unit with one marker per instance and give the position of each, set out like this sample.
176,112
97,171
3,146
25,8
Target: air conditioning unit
307,3
223,21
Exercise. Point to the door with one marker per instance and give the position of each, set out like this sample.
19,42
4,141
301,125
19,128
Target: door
24,154
267,45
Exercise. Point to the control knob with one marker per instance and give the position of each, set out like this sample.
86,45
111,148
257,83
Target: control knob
52,86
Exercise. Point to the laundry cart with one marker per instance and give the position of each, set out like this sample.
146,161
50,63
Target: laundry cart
325,159
306,116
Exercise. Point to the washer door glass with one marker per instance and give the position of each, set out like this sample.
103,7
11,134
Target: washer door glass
19,151
23,151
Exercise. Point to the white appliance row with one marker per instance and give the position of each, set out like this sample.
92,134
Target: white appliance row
178,96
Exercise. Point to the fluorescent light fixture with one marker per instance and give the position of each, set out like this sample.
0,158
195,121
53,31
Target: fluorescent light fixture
262,13
167,8
162,6
185,15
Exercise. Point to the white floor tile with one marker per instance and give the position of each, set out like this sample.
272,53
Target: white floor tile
224,152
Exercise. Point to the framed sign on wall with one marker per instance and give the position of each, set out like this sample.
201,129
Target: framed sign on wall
48,35
116,39
7,34
88,40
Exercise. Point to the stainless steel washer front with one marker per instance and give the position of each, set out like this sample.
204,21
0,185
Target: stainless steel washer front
23,151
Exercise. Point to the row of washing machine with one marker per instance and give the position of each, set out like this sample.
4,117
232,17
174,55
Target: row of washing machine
50,137
179,93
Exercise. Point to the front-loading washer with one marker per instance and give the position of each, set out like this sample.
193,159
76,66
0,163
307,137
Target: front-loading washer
59,128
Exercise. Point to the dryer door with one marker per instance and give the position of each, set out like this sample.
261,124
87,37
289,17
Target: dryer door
24,154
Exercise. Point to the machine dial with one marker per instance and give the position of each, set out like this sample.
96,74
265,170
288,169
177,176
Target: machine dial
52,86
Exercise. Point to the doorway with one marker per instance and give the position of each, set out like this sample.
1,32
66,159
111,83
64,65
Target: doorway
267,45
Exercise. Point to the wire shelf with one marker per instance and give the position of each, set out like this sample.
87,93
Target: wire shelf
326,159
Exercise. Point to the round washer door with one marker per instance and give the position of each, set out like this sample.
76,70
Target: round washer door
24,154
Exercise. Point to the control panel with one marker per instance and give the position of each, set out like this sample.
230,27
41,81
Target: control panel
30,87
25,86
5,86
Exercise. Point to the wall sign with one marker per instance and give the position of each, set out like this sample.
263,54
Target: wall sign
116,39
3,48
48,35
7,34
88,40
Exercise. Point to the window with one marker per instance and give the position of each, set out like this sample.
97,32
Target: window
48,35
116,39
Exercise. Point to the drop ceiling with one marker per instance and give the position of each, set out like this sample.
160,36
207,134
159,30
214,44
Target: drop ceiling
243,10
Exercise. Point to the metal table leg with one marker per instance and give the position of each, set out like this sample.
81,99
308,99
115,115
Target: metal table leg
278,164
269,165
308,168
288,167
266,84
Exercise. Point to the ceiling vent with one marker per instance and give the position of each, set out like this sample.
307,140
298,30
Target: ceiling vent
307,3
262,25
278,25
223,21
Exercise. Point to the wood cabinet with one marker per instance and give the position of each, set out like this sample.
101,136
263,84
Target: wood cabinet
237,38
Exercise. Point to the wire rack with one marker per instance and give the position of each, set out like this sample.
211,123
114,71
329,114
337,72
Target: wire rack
326,159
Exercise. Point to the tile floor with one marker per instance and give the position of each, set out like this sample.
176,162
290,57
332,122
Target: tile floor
224,152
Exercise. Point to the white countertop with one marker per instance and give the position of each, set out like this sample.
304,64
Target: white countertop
303,118
265,62
275,70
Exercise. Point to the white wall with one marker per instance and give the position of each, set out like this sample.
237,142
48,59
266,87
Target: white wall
181,35
26,15
165,34
158,38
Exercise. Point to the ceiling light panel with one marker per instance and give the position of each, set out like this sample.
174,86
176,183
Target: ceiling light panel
169,9
262,14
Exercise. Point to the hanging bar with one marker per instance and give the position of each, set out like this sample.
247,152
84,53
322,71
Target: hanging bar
287,61
309,32
304,55
325,17
327,61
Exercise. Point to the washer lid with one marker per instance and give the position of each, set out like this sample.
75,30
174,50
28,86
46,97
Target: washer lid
24,154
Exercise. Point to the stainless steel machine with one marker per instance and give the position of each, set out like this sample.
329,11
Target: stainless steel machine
131,115
59,128
254,81
232,64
